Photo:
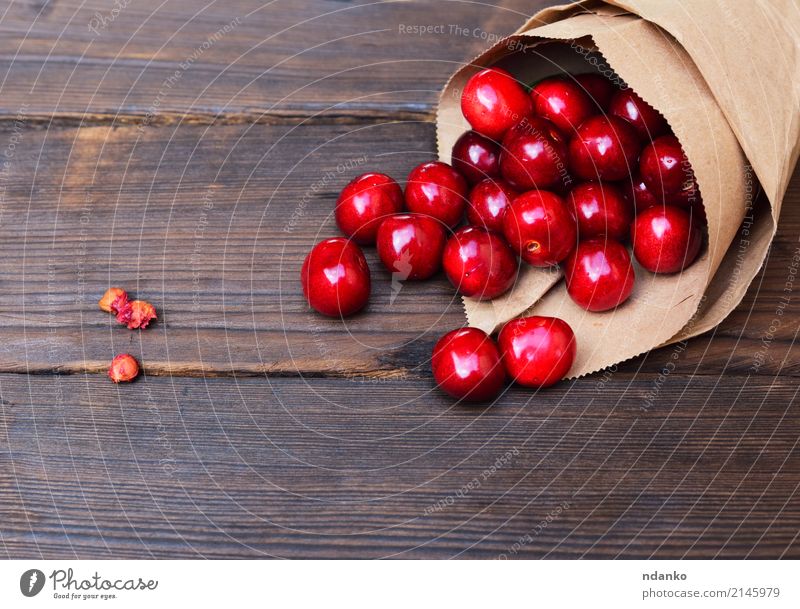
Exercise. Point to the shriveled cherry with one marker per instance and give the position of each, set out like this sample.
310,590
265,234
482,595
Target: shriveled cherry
488,202
534,155
493,102
600,210
411,245
466,365
438,190
666,239
604,148
335,278
479,263
364,203
665,168
540,227
599,274
113,299
563,102
537,351
647,121
476,157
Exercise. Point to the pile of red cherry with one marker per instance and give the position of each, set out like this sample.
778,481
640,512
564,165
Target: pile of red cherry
565,174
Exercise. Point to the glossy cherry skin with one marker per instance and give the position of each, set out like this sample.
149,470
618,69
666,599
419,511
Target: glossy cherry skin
411,245
335,278
437,190
476,157
466,365
493,102
599,88
488,202
563,102
689,196
540,227
600,210
479,263
647,121
599,274
537,351
604,148
637,193
534,155
666,239
665,168
364,203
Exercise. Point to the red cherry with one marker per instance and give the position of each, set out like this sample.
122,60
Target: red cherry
540,227
437,190
563,102
604,148
335,278
466,365
665,168
647,121
411,245
488,202
534,155
537,351
476,157
364,203
493,102
689,196
599,274
601,210
666,239
599,88
637,193
479,263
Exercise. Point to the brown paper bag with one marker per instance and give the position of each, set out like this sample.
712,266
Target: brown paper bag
727,78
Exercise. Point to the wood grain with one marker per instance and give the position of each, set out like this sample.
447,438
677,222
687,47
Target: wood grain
261,429
211,224
277,61
177,467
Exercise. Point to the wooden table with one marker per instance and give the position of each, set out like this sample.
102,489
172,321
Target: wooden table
191,152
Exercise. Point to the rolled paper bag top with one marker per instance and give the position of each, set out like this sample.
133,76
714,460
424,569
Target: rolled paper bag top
656,63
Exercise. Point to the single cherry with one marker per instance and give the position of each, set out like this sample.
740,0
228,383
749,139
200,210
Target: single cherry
604,148
666,239
364,203
599,274
438,190
540,227
335,278
534,155
493,102
637,193
537,351
488,202
563,102
466,365
476,157
479,263
647,121
600,210
689,196
599,88
411,245
665,168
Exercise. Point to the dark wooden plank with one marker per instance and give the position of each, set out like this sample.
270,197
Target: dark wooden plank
212,223
245,60
183,467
